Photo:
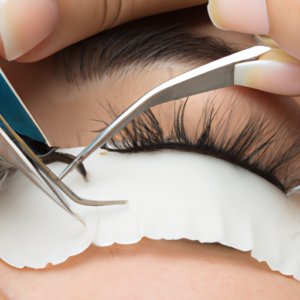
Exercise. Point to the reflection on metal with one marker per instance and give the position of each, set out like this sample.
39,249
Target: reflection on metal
25,160
215,75
14,149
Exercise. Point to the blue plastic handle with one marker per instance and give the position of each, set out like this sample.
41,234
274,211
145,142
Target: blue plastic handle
15,114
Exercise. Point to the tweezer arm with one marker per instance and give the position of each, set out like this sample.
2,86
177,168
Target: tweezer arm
215,75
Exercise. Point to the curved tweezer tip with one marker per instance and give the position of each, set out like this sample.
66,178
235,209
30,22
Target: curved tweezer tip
214,75
66,158
101,202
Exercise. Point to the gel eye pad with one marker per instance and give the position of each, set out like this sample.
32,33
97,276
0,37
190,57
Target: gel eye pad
172,195
15,113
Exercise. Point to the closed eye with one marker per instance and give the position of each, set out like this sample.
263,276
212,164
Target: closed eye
256,144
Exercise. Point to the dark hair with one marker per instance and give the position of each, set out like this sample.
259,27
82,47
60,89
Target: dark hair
259,146
139,44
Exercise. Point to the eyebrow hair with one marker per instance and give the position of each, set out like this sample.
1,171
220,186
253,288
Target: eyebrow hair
137,44
260,147
140,44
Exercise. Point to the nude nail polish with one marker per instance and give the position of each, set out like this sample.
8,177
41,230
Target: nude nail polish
279,55
240,15
271,76
25,23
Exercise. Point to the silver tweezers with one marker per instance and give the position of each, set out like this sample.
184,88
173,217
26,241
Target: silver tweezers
215,75
212,76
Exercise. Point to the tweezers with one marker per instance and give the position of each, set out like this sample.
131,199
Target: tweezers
212,76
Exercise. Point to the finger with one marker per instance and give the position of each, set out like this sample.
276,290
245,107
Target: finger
38,34
275,72
284,20
24,24
278,18
269,76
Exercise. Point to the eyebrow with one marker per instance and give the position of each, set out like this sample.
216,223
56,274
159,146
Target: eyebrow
260,147
137,44
140,44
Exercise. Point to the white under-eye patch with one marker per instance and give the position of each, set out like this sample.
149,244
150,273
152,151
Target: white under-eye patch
172,195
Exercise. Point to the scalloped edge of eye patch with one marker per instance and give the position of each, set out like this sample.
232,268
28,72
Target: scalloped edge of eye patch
172,195
35,230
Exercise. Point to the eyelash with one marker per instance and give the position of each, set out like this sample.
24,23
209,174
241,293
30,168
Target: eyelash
258,147
47,154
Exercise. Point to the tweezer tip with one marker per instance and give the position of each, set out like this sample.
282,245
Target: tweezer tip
86,177
80,219
120,202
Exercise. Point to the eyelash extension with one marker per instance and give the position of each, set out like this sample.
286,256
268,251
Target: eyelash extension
47,155
257,147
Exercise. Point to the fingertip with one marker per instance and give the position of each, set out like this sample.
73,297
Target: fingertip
269,76
24,24
240,15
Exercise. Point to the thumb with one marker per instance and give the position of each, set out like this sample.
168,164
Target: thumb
34,29
24,24
276,18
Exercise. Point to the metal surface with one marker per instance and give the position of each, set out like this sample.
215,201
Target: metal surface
39,173
215,75
212,76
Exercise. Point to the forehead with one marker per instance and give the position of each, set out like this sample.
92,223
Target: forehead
49,97
69,114
66,110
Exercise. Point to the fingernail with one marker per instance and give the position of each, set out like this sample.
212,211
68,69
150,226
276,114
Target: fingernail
269,76
25,23
276,53
279,55
265,40
240,15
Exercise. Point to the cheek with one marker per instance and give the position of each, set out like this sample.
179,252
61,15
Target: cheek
151,270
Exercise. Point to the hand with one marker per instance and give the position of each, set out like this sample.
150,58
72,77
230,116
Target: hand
276,72
34,29
279,19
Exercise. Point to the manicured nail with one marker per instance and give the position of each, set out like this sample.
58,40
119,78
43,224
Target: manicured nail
25,23
240,15
269,76
265,40
279,55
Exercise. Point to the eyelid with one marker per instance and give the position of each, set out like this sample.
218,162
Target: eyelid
252,147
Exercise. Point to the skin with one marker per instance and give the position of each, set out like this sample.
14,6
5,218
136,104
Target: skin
75,116
148,269
152,270
71,22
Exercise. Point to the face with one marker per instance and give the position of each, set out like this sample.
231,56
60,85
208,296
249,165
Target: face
72,106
